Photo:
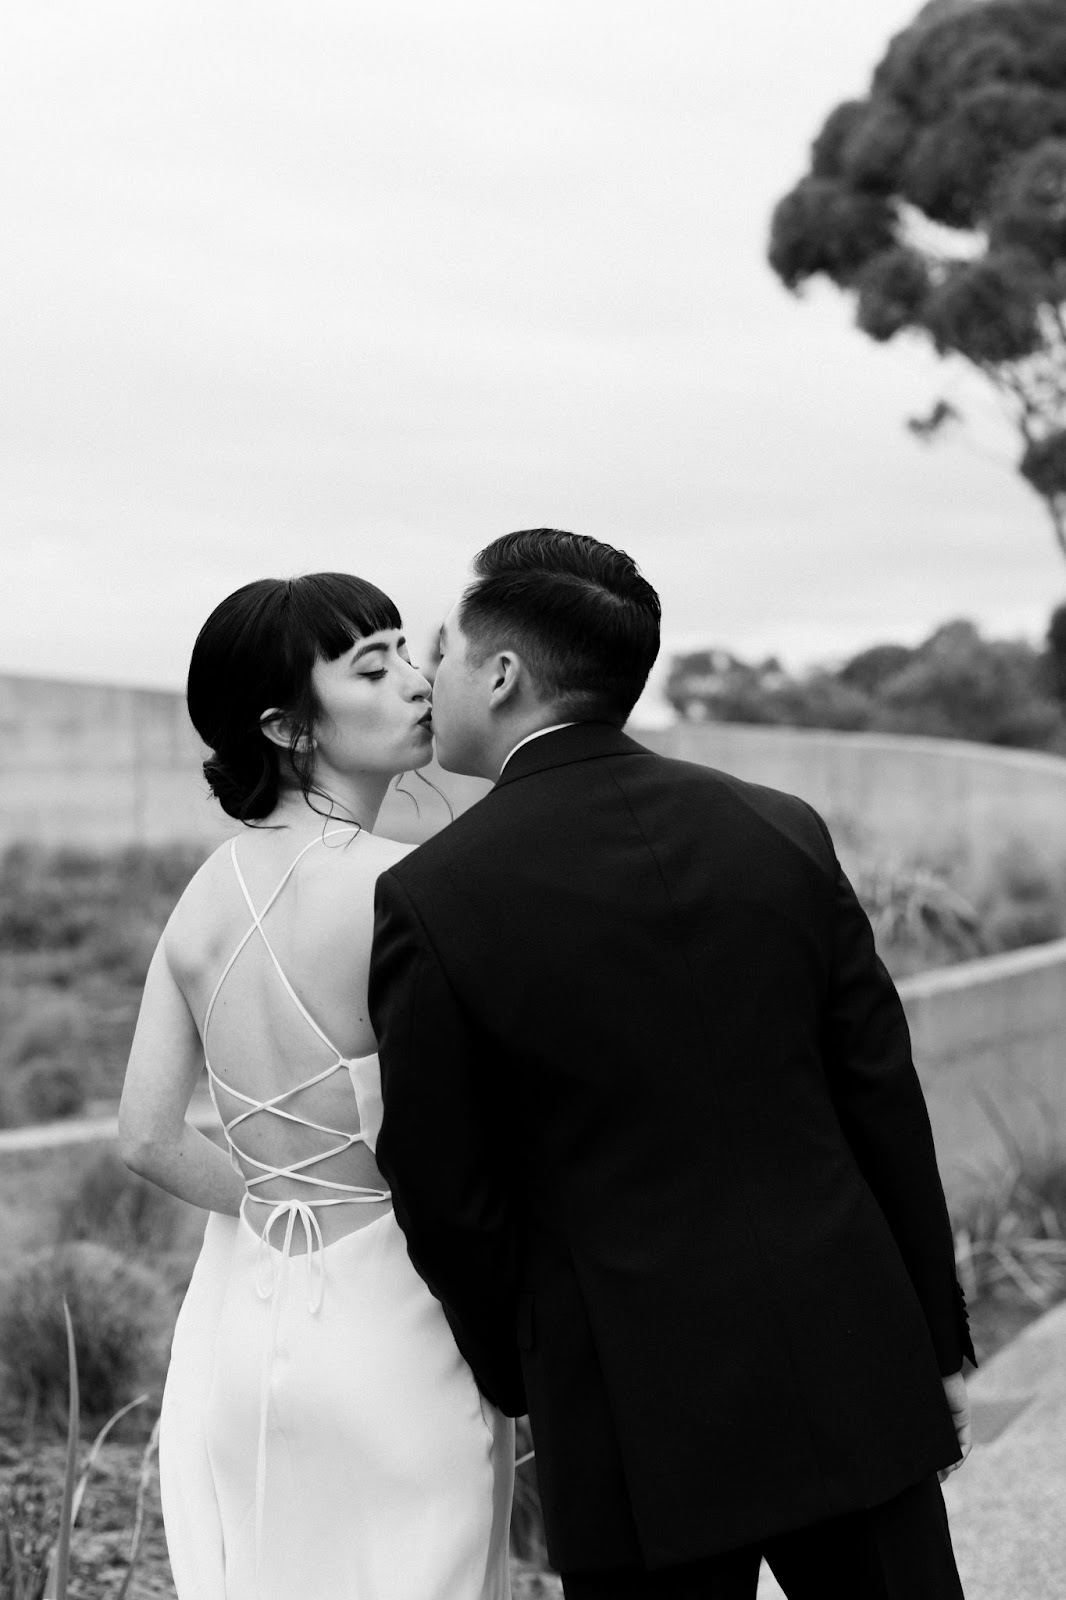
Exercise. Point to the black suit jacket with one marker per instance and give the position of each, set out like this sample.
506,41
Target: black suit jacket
657,1143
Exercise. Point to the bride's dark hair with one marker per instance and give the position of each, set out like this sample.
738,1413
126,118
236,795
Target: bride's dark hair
258,649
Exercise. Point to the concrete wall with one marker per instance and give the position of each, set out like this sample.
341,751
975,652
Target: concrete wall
937,799
96,765
990,1046
99,765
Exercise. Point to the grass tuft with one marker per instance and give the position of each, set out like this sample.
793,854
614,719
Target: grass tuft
1010,1234
38,1576
123,1314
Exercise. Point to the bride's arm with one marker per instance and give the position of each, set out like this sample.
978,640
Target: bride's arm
165,1062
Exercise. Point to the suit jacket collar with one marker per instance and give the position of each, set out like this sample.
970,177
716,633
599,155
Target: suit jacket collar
582,741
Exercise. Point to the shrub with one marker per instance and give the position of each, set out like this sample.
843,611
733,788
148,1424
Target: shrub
75,901
124,949
122,1316
11,1113
919,920
49,1024
49,1090
1010,1237
1016,925
112,1206
84,923
1021,876
1027,905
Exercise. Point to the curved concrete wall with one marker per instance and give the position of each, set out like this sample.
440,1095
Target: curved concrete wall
937,799
98,765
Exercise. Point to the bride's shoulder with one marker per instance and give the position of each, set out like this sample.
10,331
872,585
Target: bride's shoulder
191,918
202,886
385,853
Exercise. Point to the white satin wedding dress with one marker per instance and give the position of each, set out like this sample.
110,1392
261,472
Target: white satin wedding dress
321,1437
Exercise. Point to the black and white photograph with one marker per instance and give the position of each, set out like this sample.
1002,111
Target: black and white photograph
533,800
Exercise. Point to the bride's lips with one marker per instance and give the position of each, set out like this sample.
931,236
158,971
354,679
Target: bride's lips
426,722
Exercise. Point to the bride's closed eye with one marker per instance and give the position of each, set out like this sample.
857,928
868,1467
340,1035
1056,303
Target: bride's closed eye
383,672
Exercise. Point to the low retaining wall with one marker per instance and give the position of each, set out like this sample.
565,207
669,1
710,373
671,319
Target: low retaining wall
990,1046
937,799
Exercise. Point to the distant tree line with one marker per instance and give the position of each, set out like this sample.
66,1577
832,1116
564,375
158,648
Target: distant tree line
957,684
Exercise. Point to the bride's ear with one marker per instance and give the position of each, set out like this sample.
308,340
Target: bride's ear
277,727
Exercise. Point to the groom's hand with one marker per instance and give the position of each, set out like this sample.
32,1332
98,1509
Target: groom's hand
955,1391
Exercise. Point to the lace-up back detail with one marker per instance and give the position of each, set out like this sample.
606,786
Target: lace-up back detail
271,1266
362,1071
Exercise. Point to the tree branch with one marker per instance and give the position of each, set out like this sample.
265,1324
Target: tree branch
1056,505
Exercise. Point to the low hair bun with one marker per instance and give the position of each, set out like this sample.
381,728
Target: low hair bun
245,786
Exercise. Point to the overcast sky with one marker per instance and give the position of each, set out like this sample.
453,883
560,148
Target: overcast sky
361,286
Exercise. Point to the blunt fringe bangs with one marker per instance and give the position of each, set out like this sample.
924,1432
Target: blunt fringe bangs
258,649
578,612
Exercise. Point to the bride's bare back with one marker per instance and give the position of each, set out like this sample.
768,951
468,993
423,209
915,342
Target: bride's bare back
270,945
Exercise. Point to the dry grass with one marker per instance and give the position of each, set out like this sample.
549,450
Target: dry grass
38,1187
921,920
77,931
76,934
123,1316
1010,1235
36,1560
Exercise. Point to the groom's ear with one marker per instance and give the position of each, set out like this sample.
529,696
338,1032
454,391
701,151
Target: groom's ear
505,679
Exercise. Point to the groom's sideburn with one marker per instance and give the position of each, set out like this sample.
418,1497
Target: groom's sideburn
656,1140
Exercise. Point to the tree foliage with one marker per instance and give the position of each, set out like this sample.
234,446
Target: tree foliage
955,685
964,127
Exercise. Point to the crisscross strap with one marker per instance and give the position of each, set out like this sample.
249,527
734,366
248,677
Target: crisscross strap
296,1171
257,924
258,920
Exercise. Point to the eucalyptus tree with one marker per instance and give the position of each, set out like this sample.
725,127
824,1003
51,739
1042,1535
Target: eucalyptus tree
938,202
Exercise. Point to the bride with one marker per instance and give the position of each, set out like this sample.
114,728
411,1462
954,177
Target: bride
321,1437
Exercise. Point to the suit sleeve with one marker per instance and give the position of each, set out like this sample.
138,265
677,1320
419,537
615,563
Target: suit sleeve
442,1146
879,1099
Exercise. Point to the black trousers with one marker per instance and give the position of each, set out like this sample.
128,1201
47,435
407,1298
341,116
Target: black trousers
900,1550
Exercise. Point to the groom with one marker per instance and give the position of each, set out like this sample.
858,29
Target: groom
653,1129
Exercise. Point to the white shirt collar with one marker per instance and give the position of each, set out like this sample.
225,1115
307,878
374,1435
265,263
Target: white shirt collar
538,733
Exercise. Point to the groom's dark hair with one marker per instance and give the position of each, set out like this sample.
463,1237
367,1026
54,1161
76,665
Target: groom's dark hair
578,612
